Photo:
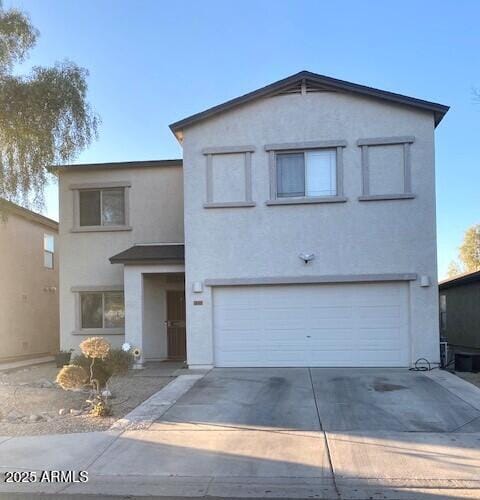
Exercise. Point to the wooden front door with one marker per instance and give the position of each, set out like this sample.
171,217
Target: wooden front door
176,335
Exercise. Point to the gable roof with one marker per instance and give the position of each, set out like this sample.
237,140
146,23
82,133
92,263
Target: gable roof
148,254
461,279
177,162
316,82
13,208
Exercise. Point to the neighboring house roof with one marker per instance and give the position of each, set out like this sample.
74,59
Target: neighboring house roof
13,208
314,82
144,254
461,279
177,162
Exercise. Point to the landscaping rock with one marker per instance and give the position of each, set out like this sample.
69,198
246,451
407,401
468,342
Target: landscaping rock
75,413
14,416
35,418
106,393
45,384
62,411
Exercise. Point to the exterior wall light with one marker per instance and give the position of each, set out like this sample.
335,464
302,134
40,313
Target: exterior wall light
306,257
424,281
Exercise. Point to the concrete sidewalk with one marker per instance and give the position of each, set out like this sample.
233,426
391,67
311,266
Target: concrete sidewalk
202,437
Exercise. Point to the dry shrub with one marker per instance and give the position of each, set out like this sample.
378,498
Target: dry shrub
95,347
72,377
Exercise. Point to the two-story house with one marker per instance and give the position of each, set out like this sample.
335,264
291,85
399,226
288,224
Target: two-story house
29,315
299,230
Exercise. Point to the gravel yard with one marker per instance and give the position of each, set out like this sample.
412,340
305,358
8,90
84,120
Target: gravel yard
32,403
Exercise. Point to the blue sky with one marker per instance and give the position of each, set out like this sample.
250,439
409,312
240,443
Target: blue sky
152,62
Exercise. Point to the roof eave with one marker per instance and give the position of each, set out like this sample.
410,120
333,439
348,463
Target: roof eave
146,261
174,162
463,279
25,213
439,110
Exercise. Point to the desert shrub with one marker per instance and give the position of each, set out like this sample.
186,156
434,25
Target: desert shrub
95,347
93,368
72,377
118,362
99,369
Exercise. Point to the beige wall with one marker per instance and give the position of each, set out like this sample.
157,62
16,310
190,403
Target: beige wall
155,216
29,312
351,238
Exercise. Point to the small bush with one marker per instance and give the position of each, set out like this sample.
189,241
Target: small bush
118,362
95,347
62,358
72,378
100,371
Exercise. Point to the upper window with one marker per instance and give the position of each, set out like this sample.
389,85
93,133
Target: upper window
102,207
386,168
310,174
102,310
48,250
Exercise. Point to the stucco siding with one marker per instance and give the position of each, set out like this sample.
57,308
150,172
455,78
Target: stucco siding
354,237
28,291
155,202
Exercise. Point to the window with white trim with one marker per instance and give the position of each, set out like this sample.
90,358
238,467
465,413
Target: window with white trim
306,174
102,310
48,250
102,207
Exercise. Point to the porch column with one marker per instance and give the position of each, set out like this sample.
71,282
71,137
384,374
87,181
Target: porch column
133,292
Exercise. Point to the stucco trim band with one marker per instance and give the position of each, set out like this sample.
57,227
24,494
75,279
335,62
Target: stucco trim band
383,141
298,280
229,204
92,229
306,201
97,288
306,145
380,197
88,332
225,150
100,185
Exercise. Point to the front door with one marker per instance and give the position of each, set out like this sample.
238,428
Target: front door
176,335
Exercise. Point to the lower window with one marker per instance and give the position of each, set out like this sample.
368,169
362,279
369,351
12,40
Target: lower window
102,310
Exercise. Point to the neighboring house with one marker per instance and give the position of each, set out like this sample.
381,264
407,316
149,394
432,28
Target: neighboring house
300,231
29,311
460,311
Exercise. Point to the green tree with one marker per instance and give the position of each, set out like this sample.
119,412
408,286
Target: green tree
454,269
469,253
45,118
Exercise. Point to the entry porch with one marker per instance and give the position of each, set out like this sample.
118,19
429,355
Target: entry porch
154,291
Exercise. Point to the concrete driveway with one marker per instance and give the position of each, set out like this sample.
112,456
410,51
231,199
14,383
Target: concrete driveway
301,433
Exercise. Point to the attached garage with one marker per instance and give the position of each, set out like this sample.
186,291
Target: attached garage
362,324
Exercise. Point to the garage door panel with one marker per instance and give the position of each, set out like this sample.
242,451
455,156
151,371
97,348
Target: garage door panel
312,325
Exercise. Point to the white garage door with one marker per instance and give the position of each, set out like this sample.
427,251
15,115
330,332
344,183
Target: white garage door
312,325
